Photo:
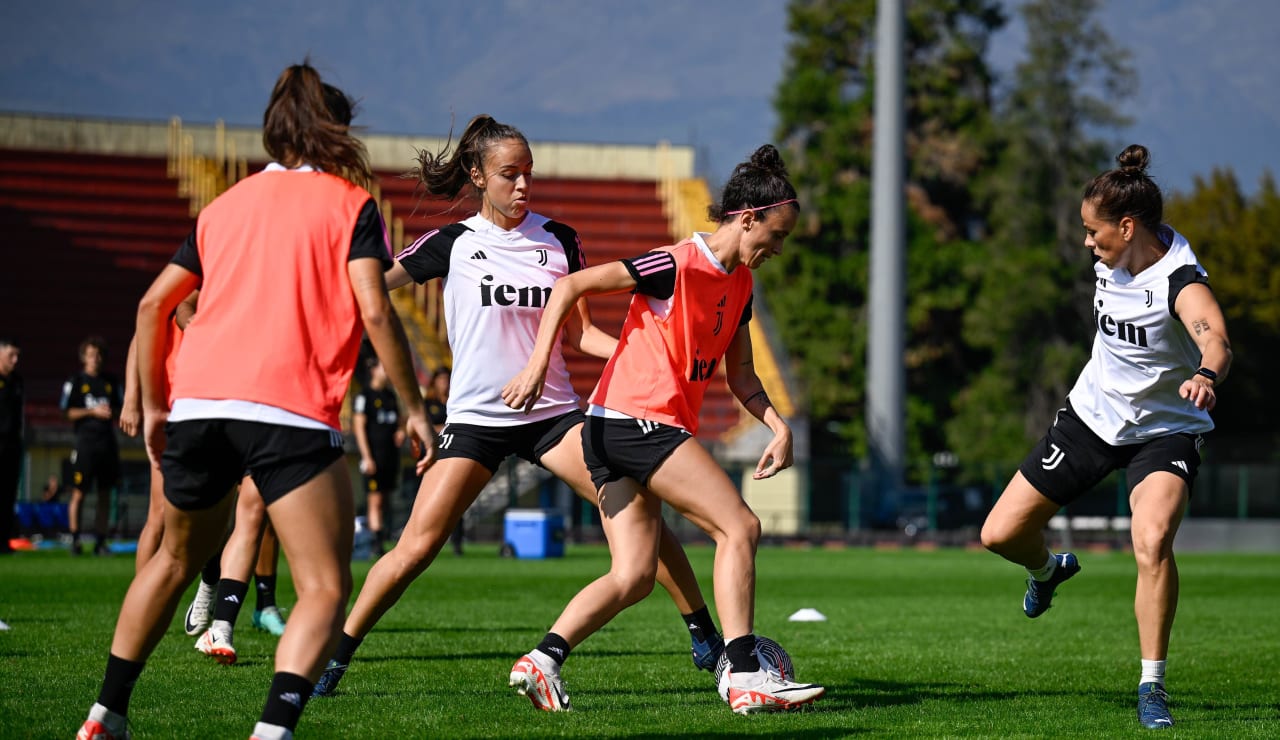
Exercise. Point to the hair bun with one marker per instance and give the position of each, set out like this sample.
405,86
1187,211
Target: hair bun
1135,156
767,158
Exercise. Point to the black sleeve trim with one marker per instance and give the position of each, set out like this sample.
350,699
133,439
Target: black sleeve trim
1181,278
571,243
654,273
428,257
369,239
746,311
188,256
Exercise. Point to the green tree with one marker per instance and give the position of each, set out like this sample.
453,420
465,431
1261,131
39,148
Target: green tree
1032,315
817,290
1235,238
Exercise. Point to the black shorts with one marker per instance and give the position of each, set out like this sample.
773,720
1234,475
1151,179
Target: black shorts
205,458
95,464
387,476
1070,459
489,446
627,448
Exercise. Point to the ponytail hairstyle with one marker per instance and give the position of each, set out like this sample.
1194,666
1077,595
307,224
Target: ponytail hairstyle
1128,190
758,185
445,174
303,125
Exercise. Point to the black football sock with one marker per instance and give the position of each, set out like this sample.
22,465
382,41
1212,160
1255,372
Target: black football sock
555,647
266,592
742,654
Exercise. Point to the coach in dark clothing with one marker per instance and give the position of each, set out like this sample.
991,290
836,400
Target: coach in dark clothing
11,418
92,400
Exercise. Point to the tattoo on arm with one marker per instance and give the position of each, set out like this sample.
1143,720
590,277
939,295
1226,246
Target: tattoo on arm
754,396
1200,325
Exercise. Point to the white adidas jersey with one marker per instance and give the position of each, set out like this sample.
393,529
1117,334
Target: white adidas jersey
496,284
1128,391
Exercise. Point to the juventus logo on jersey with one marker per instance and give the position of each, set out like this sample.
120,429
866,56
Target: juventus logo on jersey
480,255
542,257
720,315
1054,459
1148,298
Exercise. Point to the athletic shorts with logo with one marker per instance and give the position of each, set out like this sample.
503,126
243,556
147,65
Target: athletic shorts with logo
1070,459
95,464
205,458
627,448
489,446
387,476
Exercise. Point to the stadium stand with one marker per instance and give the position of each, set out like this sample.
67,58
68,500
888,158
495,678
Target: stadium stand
88,231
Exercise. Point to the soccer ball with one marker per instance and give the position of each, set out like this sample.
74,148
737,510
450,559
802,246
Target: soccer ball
772,658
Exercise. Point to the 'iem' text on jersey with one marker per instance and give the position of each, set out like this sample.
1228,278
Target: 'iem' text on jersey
1128,391
496,285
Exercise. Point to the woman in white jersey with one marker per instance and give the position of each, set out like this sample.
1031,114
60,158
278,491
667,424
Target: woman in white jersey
290,265
1141,403
498,267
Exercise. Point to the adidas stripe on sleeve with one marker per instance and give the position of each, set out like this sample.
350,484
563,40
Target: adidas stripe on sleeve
654,273
428,257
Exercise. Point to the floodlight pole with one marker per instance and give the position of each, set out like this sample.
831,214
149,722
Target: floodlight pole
886,381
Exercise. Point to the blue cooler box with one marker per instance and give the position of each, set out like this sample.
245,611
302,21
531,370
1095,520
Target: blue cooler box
534,533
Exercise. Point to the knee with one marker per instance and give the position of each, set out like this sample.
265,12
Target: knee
635,585
743,530
412,553
997,535
1152,546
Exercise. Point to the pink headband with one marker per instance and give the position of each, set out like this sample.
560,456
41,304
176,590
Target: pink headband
760,208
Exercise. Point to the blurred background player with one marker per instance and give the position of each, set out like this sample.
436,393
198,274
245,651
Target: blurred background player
524,254
91,400
690,309
1141,403
271,256
376,423
11,442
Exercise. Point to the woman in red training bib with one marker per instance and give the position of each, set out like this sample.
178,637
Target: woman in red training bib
690,310
289,263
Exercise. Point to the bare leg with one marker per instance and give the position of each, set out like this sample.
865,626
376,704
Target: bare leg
697,487
241,551
268,552
1158,504
153,528
313,523
73,511
447,489
375,510
1014,529
190,537
674,571
631,517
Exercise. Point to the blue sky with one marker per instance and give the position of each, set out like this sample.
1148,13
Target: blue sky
700,73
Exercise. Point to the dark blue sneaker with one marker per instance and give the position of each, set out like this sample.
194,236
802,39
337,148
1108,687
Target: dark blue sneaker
707,654
328,682
1153,707
1040,593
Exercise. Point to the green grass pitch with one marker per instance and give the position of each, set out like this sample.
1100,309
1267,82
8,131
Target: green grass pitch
916,644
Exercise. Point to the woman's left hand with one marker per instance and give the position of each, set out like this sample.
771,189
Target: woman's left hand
1199,391
776,458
